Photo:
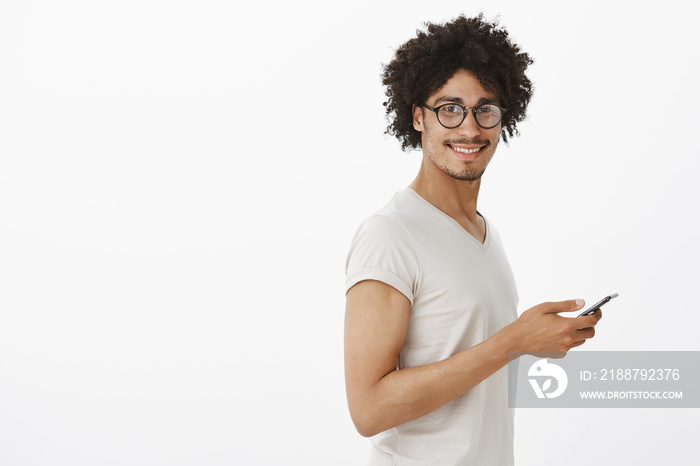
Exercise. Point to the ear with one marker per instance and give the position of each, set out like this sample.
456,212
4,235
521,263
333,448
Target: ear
417,118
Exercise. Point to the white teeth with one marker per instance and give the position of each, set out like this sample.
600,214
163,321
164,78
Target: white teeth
466,151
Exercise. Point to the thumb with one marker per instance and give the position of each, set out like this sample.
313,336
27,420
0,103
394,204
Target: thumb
568,306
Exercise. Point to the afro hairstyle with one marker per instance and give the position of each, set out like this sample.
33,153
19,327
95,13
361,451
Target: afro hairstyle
425,63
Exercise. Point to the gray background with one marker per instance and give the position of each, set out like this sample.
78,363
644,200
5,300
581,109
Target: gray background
171,260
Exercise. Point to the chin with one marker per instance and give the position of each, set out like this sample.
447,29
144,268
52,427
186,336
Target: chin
464,174
469,176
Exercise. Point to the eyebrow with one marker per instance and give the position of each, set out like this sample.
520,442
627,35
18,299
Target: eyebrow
460,101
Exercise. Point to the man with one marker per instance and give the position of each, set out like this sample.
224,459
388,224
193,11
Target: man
431,300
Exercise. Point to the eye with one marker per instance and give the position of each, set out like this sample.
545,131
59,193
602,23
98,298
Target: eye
452,108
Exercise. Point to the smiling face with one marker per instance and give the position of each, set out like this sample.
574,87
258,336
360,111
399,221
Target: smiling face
463,152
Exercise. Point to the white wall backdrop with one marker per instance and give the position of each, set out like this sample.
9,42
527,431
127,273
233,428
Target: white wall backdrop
180,181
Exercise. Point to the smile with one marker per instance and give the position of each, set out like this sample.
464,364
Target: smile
466,151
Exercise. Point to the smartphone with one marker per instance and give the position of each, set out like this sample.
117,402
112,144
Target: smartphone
597,305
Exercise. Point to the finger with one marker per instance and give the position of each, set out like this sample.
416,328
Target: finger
577,343
553,354
567,306
585,333
549,354
590,320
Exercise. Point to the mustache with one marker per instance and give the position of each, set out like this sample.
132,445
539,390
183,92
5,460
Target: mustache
476,142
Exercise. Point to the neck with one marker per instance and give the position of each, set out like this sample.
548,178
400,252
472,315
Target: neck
457,198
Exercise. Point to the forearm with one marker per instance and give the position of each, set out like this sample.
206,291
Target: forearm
381,397
409,393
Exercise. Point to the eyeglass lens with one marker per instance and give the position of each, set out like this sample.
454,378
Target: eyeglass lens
487,115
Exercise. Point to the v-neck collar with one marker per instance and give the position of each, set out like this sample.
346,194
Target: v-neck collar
471,237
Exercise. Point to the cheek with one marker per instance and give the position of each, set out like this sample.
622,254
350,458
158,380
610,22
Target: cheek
433,137
496,136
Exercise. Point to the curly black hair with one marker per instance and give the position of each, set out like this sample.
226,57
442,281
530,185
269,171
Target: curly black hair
425,63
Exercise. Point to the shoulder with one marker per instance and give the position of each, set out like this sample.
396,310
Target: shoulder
381,235
383,249
396,221
382,225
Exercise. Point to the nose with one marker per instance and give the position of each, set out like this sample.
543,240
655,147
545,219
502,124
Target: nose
469,128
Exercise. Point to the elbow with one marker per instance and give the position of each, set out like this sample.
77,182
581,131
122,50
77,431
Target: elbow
365,423
365,431
371,414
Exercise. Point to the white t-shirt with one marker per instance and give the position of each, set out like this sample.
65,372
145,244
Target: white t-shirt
461,292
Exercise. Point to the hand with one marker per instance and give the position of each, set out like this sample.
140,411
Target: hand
541,328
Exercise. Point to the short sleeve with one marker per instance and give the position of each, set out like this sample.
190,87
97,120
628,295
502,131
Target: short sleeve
383,250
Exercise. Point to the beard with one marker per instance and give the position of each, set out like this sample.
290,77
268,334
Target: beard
468,173
467,170
470,170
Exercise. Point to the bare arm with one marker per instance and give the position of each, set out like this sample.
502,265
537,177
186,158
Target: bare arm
381,397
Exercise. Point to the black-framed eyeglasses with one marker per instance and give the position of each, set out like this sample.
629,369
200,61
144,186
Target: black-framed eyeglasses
452,115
